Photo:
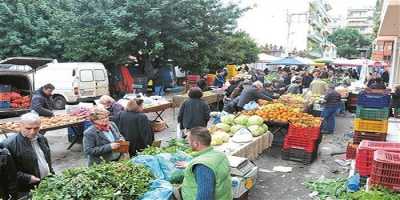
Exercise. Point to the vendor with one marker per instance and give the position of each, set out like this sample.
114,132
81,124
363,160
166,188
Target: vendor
252,93
100,141
207,175
42,102
194,111
219,79
113,107
135,126
202,83
331,105
8,175
31,154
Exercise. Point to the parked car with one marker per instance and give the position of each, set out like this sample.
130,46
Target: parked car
17,72
74,81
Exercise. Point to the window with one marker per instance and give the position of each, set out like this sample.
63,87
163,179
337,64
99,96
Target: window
86,75
99,75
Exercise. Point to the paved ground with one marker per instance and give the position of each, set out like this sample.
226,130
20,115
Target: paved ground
270,185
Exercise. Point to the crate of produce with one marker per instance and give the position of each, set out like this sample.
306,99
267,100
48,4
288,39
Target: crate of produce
365,153
4,104
351,151
386,170
373,100
298,155
305,132
5,96
5,88
372,113
370,125
360,136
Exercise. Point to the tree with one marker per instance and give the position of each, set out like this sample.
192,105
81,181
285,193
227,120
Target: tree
238,48
377,17
26,29
348,42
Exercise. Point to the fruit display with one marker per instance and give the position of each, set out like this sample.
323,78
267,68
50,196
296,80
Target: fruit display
295,100
278,112
56,121
19,101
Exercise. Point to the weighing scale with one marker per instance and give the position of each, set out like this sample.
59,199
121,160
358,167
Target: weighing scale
240,166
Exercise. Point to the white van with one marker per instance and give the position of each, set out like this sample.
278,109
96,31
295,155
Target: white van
74,82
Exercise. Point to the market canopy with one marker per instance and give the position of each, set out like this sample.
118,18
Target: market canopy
289,61
324,60
34,62
263,57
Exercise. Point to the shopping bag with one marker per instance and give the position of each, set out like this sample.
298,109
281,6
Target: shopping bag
178,131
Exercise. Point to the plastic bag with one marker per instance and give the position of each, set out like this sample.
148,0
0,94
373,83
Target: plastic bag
178,131
243,135
168,165
250,106
152,163
160,190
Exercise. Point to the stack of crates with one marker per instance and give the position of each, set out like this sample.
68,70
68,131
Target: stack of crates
5,97
191,81
385,170
371,121
301,144
365,153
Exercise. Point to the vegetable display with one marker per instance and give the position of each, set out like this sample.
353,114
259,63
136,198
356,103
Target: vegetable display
173,146
116,180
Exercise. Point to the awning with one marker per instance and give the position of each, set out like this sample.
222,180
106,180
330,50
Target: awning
288,61
34,62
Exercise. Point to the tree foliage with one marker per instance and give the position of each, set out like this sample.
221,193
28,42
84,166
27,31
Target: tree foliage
190,33
348,42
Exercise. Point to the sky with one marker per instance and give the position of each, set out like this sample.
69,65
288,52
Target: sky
266,22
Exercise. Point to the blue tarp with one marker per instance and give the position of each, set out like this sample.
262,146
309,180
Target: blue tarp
287,61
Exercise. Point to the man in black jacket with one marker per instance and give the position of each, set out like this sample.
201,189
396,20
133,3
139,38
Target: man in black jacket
8,175
253,93
42,102
30,152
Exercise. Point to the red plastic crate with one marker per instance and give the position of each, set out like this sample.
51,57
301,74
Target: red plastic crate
365,154
351,151
309,145
360,136
386,169
309,133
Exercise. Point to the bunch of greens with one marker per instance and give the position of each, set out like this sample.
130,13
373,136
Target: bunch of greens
336,189
173,146
328,188
117,180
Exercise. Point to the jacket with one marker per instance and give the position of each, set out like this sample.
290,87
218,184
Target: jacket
251,94
25,159
219,164
114,110
193,113
96,145
42,104
332,98
135,127
8,175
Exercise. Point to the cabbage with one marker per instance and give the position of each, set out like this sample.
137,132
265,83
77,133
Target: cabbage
235,128
228,119
255,120
223,126
219,138
265,127
256,130
241,119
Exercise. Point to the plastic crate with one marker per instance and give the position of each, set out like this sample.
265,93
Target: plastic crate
5,88
351,151
299,155
372,113
306,144
309,133
5,96
5,104
369,100
386,170
365,153
360,136
370,125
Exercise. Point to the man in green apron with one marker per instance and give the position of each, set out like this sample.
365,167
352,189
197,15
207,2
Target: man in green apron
207,176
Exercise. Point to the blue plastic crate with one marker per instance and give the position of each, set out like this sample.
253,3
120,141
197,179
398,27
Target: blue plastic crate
4,104
373,100
5,88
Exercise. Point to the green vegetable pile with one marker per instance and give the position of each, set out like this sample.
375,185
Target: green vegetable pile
116,180
336,189
173,146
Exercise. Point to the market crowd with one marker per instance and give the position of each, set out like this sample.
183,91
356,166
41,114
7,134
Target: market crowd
25,157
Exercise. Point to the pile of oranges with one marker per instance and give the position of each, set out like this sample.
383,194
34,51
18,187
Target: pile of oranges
278,112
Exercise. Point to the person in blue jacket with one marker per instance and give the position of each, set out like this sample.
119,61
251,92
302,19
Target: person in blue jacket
219,79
